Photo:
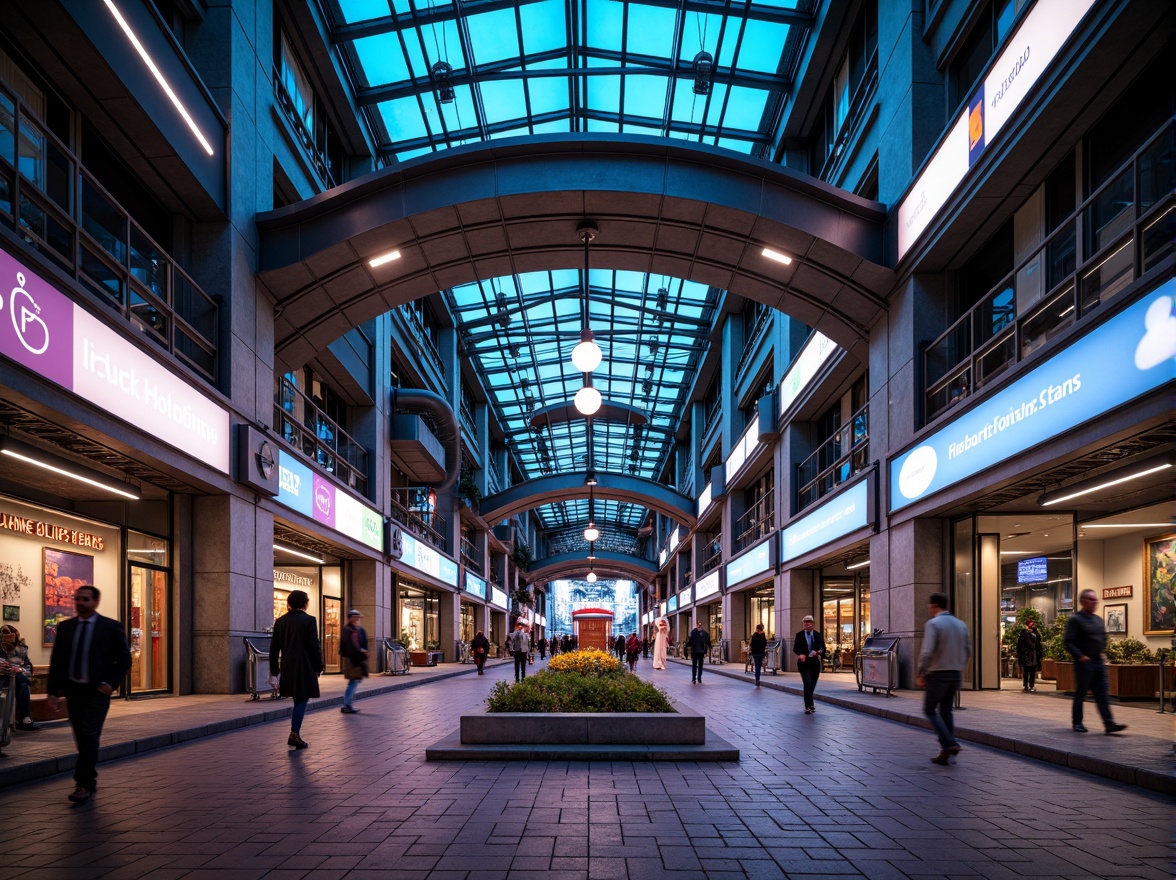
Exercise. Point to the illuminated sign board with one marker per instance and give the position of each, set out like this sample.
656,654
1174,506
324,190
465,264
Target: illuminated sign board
475,585
672,604
46,332
816,351
426,558
1029,51
755,561
498,597
684,597
675,538
846,512
1129,355
707,586
705,499
743,449
1032,570
662,608
308,493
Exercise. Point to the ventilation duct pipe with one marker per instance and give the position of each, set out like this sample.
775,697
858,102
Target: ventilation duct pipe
418,400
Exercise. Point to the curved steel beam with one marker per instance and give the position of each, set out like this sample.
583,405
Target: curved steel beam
665,207
570,487
607,564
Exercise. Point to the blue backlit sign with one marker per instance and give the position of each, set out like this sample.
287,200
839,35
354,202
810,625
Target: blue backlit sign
475,585
426,558
1129,355
845,513
755,561
672,604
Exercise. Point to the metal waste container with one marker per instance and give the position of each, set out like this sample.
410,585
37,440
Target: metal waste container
876,665
257,668
396,659
772,656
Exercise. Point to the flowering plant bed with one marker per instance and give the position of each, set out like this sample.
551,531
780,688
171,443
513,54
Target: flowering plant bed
579,682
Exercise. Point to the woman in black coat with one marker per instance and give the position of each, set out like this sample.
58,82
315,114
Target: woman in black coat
480,647
1029,655
296,659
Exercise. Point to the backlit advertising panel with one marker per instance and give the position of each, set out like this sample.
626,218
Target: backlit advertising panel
1129,355
844,513
308,493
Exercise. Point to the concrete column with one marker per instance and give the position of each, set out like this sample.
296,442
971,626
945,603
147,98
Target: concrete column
232,579
798,594
907,565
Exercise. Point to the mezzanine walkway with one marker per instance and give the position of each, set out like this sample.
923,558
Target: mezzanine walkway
840,793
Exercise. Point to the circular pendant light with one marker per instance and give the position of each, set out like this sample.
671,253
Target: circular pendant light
591,577
588,400
591,533
586,356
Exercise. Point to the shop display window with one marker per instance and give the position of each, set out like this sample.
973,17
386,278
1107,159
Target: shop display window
761,608
468,626
332,631
420,618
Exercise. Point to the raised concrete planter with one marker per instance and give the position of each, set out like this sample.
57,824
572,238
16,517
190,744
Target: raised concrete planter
583,736
683,727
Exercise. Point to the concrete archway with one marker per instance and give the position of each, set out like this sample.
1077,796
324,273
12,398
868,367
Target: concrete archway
569,487
497,208
607,564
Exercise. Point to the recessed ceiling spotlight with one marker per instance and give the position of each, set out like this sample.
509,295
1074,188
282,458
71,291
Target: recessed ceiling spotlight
777,256
376,262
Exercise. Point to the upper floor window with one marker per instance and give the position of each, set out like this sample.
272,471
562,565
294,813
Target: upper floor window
307,113
841,106
991,26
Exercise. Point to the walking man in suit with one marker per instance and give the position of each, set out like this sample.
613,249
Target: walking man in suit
90,659
809,648
700,644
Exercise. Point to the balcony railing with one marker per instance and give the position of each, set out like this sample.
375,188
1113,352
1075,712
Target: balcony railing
420,335
410,508
714,553
751,343
311,431
711,417
1121,231
305,137
470,557
53,202
835,460
758,522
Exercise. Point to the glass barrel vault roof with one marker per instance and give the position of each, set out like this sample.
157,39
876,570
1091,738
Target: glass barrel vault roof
542,66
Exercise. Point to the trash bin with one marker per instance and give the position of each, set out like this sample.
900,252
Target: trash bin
257,669
876,665
772,656
396,659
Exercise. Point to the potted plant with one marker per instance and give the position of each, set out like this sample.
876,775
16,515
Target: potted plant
1132,670
1053,648
522,557
467,487
524,596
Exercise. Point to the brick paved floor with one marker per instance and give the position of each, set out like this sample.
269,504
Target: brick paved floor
838,794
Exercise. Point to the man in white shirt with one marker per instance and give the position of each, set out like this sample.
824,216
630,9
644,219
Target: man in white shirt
519,643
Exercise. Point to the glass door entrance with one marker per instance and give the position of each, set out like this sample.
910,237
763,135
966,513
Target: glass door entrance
150,635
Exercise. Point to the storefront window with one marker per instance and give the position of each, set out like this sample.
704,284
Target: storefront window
837,620
420,618
714,621
761,608
468,627
150,642
332,630
288,578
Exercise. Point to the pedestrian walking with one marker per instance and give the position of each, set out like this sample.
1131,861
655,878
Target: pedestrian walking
700,644
518,643
645,647
90,659
946,649
353,658
632,651
296,661
480,647
661,642
542,644
758,649
1086,640
1029,655
809,648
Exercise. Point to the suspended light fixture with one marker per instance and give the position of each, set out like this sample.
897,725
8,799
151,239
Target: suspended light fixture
591,576
588,399
443,75
591,551
586,356
591,533
704,64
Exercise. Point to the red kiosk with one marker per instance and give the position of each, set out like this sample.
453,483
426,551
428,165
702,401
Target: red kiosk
593,628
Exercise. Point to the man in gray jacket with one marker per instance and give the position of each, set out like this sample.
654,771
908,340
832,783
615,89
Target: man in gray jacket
946,649
1086,640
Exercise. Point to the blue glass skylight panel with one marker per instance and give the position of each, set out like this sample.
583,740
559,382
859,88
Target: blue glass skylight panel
645,96
604,93
763,41
549,94
650,30
745,108
362,10
544,26
381,60
738,146
493,36
403,118
503,99
603,24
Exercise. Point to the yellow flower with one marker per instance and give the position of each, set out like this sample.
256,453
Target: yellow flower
588,661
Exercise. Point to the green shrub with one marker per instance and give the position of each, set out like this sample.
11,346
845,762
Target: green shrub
1013,631
549,691
1129,651
1054,648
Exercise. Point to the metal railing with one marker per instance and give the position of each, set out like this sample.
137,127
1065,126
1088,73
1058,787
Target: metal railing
757,522
1122,230
418,519
470,557
305,136
419,334
317,436
751,343
715,557
835,460
55,205
711,418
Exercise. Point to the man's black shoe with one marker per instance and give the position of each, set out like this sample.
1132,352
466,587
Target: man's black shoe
79,795
27,725
1080,728
1115,728
941,758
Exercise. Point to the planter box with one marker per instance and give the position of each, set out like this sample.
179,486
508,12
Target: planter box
1048,670
682,727
1064,676
1137,682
